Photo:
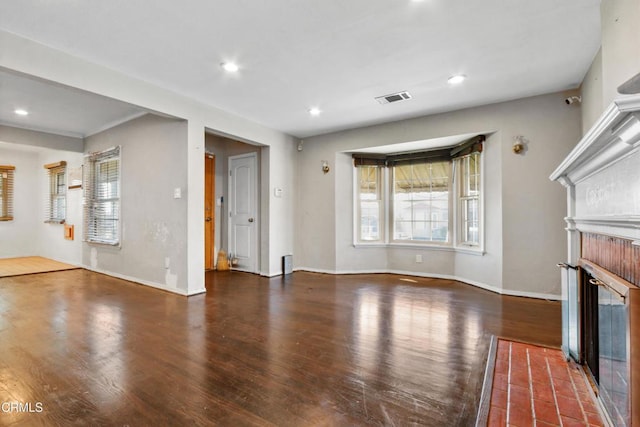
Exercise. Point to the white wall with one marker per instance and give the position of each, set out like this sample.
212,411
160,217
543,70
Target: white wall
28,234
524,210
51,241
20,236
153,160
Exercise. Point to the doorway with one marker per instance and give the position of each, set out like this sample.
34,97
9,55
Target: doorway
243,211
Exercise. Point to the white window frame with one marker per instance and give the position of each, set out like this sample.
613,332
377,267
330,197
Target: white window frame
52,213
382,222
391,221
460,199
6,192
455,218
92,199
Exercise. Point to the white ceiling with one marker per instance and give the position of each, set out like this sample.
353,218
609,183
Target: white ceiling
334,54
58,109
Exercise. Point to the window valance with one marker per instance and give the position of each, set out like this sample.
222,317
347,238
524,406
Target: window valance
467,147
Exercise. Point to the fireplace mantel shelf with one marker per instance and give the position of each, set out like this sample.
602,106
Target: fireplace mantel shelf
615,134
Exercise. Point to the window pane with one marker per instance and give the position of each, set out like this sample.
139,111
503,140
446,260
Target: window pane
470,199
402,179
440,231
107,180
368,179
58,207
370,220
370,202
471,210
402,230
421,230
102,195
421,201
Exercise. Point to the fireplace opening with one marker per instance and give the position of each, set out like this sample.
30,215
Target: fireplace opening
590,326
606,331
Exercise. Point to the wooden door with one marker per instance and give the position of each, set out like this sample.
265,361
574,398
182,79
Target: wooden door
209,197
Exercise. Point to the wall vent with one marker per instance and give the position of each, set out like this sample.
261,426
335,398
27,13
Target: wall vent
393,97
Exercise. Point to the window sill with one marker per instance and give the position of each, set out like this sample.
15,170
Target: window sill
459,249
110,244
55,221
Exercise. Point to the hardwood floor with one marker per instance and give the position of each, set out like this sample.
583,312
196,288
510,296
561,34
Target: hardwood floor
308,349
30,265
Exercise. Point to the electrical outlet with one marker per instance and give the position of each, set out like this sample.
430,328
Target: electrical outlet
419,258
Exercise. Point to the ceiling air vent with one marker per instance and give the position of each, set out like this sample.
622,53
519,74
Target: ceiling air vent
394,97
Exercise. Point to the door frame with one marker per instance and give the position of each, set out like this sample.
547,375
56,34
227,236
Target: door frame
210,239
256,202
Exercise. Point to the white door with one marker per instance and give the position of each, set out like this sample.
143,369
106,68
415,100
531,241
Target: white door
243,211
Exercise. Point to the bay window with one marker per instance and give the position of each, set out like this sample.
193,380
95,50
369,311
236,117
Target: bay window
429,198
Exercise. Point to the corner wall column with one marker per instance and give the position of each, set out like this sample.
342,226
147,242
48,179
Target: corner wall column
195,208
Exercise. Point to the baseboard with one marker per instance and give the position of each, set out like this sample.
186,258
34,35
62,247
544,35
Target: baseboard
481,285
146,282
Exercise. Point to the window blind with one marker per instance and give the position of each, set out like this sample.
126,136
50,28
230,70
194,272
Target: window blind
102,197
56,203
6,192
464,148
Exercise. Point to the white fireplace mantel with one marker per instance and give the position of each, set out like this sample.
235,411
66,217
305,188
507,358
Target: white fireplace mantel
602,175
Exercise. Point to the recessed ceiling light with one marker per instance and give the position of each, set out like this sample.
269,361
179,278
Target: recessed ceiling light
315,111
230,67
458,78
21,112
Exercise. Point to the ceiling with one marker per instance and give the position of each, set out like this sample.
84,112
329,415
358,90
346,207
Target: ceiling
58,109
334,55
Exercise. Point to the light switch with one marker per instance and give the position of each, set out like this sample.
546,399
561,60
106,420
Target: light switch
177,193
277,192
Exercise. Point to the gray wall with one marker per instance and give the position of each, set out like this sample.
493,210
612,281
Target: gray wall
524,210
154,224
620,44
591,91
617,61
40,139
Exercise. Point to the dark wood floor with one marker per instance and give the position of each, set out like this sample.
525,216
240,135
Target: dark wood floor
308,349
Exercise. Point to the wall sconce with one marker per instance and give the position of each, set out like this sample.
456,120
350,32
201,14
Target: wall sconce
325,167
519,144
